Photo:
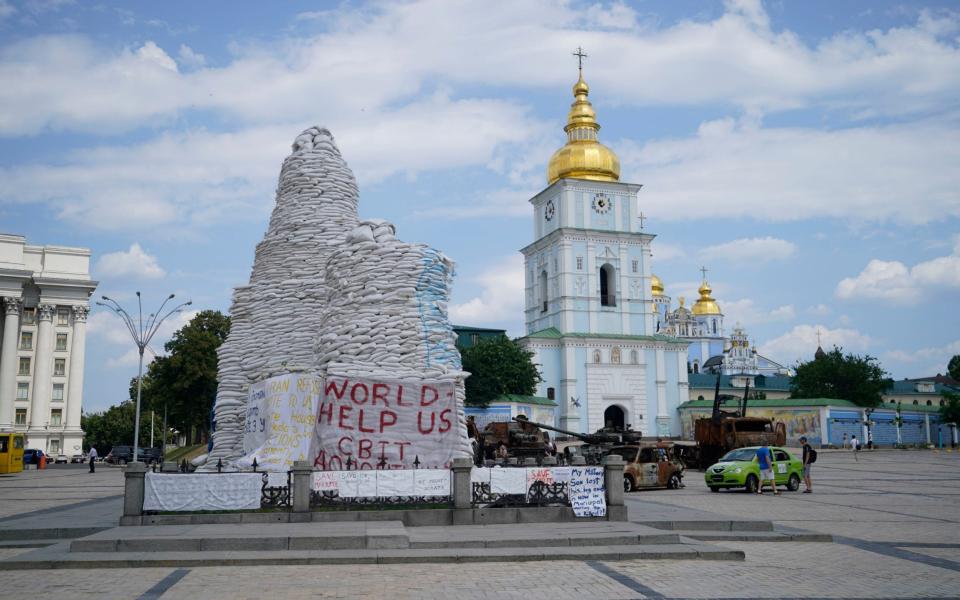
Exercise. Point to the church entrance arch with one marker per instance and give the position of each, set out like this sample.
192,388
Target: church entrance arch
614,417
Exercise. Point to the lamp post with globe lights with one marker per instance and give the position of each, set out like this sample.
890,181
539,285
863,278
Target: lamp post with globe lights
142,331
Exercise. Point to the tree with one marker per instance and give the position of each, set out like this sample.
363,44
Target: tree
114,426
950,411
859,379
185,380
498,366
953,367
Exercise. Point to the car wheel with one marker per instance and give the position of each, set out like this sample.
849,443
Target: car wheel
628,484
793,484
674,483
753,484
714,488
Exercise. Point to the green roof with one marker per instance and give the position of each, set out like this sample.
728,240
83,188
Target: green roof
552,333
794,402
517,399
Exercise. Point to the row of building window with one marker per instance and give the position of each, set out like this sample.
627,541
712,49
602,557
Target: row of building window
29,316
59,366
56,417
26,341
23,391
634,264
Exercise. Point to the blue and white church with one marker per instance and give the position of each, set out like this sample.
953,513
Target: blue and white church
591,318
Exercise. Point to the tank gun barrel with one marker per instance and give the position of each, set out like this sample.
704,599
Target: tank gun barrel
590,438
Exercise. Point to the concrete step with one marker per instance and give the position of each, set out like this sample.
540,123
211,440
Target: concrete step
59,557
538,535
250,537
707,525
34,543
47,533
755,536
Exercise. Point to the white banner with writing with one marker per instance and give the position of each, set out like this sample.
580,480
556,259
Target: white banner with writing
209,491
280,421
374,423
382,484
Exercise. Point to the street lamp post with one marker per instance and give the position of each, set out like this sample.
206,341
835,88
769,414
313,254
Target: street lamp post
142,331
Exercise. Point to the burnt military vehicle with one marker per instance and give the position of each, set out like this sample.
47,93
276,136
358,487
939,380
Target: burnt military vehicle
723,430
596,445
521,438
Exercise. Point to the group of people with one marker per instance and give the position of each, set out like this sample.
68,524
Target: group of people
765,461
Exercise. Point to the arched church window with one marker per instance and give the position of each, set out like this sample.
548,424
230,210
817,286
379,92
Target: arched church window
608,286
634,358
596,356
714,327
916,402
696,366
543,291
615,356
929,402
551,393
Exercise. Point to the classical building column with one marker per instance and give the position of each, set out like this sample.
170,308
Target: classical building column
42,368
75,381
8,361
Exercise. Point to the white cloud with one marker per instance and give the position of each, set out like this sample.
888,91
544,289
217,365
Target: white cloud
107,326
894,282
501,298
384,55
736,169
820,310
924,362
189,58
663,252
746,312
745,251
801,342
6,9
134,263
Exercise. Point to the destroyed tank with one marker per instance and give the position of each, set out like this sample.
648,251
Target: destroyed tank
522,439
595,445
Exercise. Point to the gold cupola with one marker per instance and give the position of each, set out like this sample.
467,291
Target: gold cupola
583,157
705,304
656,286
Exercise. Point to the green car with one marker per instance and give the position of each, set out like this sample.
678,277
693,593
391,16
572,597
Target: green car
739,469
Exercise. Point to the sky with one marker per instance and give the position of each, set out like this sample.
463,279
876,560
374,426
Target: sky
806,153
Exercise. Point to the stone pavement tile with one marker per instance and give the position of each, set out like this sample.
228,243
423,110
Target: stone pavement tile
10,552
946,553
82,584
555,580
795,570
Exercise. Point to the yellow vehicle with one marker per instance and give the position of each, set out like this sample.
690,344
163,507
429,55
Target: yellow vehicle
11,452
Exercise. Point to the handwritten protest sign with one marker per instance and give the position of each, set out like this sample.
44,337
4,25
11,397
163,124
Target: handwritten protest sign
395,483
374,422
508,481
279,425
431,482
587,492
357,484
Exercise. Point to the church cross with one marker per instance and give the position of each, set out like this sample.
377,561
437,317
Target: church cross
580,54
704,271
818,336
642,218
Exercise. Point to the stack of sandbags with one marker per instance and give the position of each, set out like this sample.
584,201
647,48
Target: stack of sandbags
274,318
386,313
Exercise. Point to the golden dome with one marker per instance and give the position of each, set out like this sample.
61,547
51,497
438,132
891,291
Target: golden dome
656,286
583,157
705,305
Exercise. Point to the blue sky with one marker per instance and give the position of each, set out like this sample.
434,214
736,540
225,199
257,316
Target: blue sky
806,152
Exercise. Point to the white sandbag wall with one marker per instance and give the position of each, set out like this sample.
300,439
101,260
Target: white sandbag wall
386,313
331,294
274,318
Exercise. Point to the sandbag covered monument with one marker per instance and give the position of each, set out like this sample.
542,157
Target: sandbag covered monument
340,349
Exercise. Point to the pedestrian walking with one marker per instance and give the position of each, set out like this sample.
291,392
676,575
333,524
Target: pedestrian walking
844,446
869,439
92,456
765,460
855,445
809,457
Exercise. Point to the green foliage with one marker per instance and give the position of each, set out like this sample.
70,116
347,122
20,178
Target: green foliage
185,380
114,426
859,379
953,367
498,366
950,411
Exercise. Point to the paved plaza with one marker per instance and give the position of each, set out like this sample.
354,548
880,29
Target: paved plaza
893,514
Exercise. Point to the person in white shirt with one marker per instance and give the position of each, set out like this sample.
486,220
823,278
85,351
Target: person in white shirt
92,456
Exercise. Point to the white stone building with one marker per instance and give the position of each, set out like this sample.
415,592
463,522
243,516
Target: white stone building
590,314
45,293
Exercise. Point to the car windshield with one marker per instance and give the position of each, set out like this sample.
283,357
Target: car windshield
739,454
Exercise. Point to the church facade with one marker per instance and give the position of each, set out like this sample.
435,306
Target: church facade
590,314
